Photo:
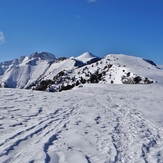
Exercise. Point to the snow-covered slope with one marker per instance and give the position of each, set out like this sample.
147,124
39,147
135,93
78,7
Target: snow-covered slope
114,69
57,67
94,124
136,65
22,72
8,65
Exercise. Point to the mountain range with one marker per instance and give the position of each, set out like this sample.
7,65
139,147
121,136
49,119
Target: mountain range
117,119
43,71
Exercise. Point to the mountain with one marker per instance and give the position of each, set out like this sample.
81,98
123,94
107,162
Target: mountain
42,71
8,65
21,72
87,58
108,121
43,56
112,69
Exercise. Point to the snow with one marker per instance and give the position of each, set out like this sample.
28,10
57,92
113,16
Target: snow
136,65
85,57
24,71
91,123
8,65
95,123
27,72
57,67
116,66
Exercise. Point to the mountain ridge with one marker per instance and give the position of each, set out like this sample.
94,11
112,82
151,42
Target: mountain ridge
43,71
43,56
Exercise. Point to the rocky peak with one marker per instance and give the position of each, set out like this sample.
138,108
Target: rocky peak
43,56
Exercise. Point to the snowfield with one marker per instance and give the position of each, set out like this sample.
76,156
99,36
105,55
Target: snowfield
96,123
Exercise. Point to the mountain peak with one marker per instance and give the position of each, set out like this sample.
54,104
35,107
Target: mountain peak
43,56
86,57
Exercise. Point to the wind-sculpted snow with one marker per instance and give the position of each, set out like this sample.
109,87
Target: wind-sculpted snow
94,124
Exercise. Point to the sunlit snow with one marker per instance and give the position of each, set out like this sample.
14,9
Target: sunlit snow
96,123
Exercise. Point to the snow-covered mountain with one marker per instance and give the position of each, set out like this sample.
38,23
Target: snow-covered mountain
112,69
43,56
21,72
42,71
108,121
87,58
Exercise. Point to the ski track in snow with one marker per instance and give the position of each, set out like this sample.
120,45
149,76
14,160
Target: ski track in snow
94,124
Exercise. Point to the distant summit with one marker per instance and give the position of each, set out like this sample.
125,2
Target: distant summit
43,56
87,58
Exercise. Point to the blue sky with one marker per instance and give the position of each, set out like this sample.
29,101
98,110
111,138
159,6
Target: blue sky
72,27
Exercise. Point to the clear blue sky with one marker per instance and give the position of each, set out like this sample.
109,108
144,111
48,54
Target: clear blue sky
72,27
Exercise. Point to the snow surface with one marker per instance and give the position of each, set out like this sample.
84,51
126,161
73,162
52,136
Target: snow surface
96,123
